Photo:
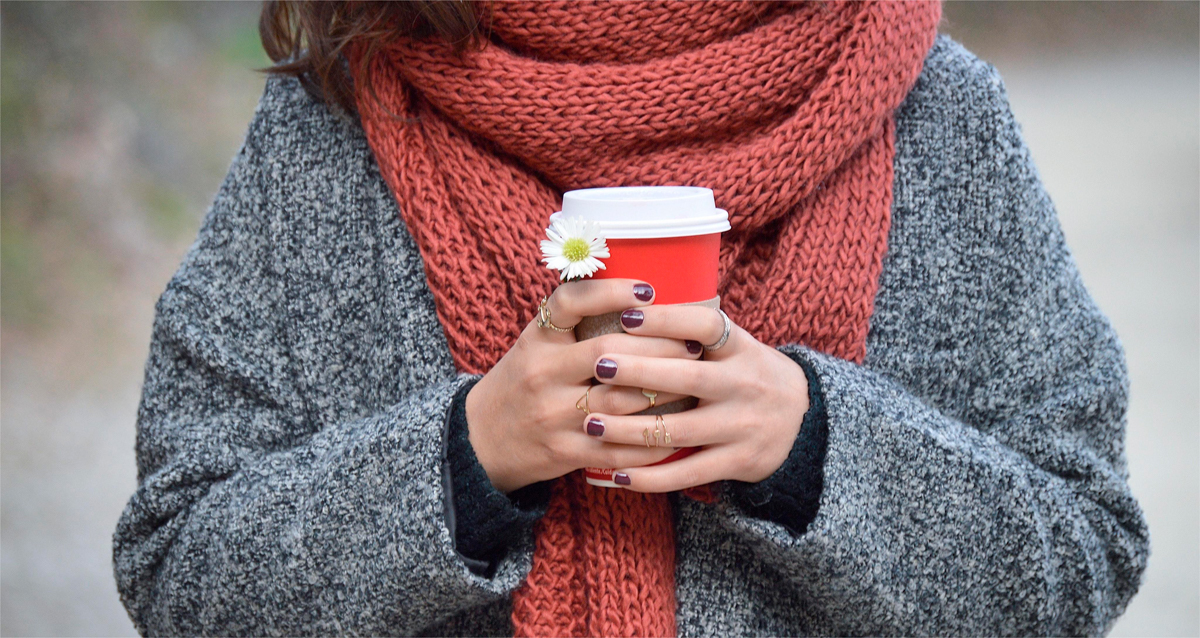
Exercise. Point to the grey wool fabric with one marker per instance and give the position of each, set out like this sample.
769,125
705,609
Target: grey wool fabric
291,438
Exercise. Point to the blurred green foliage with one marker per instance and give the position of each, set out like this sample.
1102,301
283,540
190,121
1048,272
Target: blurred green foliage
243,48
18,259
118,121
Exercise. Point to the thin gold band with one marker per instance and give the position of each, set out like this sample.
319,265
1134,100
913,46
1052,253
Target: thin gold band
586,407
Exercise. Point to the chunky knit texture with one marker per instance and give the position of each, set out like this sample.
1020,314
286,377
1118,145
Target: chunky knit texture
291,431
785,112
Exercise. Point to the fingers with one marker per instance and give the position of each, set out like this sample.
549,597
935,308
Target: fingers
593,453
579,361
683,322
574,300
620,400
680,376
705,466
692,428
576,449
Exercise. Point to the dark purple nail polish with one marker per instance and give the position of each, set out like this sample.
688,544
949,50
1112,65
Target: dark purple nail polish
606,368
643,292
595,427
693,347
620,478
632,318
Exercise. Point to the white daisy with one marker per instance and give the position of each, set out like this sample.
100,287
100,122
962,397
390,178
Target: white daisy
573,247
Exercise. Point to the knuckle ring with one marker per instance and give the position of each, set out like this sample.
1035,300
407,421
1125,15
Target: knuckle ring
543,317
724,333
659,436
652,395
582,404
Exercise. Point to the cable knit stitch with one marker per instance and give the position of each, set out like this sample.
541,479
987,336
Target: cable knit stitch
785,111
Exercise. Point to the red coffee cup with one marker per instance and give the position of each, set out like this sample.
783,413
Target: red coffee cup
667,236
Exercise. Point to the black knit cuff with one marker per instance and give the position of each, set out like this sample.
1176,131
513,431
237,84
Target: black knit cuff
791,495
487,521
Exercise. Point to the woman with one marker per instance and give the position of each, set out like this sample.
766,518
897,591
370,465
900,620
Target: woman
913,423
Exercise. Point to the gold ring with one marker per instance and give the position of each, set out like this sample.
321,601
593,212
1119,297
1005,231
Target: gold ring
543,318
652,395
660,436
586,408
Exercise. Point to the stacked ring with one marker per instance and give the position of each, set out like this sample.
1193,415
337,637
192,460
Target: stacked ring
660,436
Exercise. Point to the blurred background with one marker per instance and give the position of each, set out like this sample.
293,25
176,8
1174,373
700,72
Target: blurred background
118,121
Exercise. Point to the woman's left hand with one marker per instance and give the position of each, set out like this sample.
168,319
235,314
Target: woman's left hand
752,401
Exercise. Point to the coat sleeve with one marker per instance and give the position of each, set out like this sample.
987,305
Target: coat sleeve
975,480
256,511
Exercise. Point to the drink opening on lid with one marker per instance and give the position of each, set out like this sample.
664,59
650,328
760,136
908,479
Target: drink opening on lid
640,212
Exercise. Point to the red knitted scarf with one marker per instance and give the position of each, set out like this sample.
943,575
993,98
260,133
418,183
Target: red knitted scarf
784,110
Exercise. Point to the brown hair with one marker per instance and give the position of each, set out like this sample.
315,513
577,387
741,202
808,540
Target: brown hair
308,39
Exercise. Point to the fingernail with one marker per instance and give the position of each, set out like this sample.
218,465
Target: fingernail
693,347
595,427
643,292
621,478
606,368
632,318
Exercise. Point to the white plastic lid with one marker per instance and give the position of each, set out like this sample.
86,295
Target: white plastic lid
639,212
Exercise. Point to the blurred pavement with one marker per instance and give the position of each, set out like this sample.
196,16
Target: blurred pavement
1125,180
118,121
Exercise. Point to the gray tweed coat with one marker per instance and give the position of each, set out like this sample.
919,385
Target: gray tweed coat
290,438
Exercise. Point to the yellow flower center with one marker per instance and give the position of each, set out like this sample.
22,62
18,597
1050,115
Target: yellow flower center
575,249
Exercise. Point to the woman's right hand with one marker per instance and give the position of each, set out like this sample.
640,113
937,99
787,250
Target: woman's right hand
521,416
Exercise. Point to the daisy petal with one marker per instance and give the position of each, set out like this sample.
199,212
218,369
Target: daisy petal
579,238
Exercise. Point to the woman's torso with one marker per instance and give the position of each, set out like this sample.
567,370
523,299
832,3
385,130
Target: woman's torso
364,332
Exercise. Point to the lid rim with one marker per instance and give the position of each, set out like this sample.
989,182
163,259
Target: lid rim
708,225
646,211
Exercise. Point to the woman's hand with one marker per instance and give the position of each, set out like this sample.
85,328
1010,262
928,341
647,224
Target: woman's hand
752,401
521,417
